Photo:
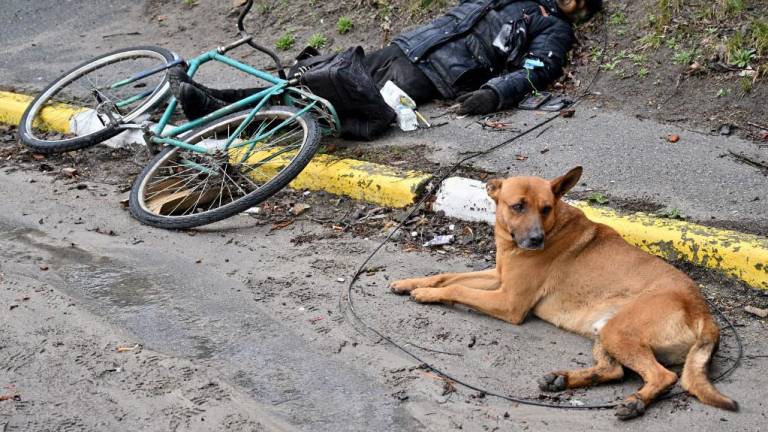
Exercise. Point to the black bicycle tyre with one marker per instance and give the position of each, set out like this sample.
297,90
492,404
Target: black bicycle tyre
277,183
47,147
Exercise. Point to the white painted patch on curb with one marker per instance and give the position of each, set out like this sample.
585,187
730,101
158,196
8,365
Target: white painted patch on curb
88,122
465,199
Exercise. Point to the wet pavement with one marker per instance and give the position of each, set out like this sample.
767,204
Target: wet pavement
258,315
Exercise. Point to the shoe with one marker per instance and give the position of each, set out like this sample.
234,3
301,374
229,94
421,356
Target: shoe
194,98
196,103
198,100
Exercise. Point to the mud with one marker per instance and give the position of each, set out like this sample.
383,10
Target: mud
241,325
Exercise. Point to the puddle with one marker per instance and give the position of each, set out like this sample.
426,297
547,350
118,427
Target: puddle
87,276
109,282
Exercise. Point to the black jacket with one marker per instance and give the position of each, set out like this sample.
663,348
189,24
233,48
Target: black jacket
463,50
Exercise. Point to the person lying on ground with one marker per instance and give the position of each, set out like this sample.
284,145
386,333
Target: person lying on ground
486,54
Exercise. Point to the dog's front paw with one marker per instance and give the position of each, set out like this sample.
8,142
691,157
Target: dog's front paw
402,286
630,408
426,295
552,382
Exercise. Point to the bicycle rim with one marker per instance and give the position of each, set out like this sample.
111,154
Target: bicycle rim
182,188
91,84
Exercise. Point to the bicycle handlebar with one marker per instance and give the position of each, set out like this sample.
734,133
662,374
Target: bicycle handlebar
240,18
245,34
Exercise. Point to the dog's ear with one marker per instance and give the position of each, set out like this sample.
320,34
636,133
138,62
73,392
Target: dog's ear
563,184
493,186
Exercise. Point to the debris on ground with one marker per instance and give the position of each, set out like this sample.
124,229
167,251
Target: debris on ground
726,129
496,125
448,388
762,313
13,394
124,348
753,158
440,240
673,138
299,208
69,172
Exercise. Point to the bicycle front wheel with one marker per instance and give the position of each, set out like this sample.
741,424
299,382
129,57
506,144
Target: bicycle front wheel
63,116
183,188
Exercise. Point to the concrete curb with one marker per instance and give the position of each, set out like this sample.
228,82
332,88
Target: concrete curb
56,118
743,256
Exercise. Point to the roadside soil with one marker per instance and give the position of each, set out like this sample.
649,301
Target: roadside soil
672,63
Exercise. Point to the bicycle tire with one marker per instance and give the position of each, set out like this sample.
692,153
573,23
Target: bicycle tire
29,139
309,147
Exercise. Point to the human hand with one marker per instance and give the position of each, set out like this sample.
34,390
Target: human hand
481,101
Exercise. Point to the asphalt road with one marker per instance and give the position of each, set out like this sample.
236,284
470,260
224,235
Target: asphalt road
625,157
240,329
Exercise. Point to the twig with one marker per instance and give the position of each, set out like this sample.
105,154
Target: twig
765,128
133,33
435,351
748,160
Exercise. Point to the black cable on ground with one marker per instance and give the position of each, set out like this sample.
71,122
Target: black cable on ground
358,322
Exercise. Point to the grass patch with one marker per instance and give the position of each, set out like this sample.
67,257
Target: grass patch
746,84
285,42
617,19
671,213
597,198
424,7
733,7
684,57
344,25
759,36
317,41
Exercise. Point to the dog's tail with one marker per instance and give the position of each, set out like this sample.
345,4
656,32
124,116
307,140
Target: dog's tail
694,378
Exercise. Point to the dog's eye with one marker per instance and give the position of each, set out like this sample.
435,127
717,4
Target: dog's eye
546,210
519,207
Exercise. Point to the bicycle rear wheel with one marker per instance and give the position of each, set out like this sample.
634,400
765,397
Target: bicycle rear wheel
63,116
183,188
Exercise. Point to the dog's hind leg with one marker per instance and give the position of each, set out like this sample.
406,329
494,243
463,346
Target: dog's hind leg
605,369
631,352
483,280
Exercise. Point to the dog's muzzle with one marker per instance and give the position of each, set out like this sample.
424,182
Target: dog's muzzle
535,241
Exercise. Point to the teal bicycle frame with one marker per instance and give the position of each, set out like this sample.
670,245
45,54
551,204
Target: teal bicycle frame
162,134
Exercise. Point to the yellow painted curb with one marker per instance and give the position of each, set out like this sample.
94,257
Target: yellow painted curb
54,117
374,183
743,256
366,181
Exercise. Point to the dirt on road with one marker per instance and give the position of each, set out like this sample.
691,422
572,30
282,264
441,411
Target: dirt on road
242,325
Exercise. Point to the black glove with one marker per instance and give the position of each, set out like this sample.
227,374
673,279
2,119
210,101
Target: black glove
481,101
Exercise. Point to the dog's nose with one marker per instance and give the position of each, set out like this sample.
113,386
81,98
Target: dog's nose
536,241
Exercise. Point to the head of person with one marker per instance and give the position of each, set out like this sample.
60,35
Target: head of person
579,10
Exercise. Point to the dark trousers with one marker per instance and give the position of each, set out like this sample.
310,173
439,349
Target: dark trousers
386,64
390,64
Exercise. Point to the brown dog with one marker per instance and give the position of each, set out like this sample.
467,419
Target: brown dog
583,277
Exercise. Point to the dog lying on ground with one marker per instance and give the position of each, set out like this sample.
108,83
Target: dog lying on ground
583,277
